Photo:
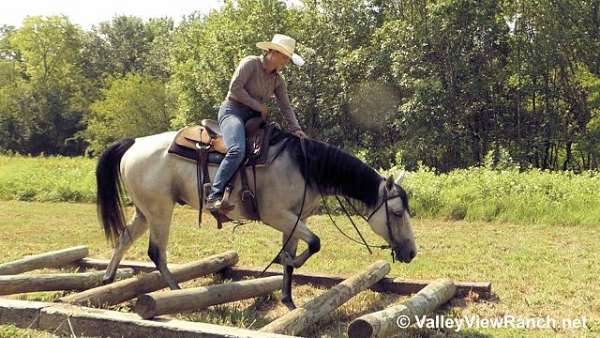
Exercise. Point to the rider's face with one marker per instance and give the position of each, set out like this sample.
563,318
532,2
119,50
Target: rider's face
278,60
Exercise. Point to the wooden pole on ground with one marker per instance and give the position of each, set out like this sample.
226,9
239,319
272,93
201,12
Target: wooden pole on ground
385,323
64,320
399,286
53,282
45,260
127,289
301,318
160,303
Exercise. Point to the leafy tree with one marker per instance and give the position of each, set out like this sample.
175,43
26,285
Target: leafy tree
445,83
47,94
133,106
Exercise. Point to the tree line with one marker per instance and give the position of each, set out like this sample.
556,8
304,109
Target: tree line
445,84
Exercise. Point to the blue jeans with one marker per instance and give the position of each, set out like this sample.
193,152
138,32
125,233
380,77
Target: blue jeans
232,121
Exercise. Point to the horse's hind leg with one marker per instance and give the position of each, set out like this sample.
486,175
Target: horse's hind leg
136,227
157,250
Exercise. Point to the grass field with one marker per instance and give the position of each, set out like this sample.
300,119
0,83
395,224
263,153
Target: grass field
475,194
536,270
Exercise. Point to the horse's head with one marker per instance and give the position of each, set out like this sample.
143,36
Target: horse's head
390,219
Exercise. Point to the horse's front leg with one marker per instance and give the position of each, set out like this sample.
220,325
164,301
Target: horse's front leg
289,260
288,270
314,245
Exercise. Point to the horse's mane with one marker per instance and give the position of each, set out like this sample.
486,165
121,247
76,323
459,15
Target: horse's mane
333,171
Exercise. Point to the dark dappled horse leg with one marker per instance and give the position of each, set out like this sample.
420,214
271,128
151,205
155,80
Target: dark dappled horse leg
289,260
288,270
133,231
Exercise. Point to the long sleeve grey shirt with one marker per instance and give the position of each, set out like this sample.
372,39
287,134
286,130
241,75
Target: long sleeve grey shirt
253,86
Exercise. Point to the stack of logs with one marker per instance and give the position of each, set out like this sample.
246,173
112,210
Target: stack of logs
151,303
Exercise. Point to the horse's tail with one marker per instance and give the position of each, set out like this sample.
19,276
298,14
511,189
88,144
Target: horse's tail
110,190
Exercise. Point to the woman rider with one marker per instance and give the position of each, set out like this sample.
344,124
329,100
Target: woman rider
255,81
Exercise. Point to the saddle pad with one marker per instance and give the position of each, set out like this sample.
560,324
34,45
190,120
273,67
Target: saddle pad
189,136
184,145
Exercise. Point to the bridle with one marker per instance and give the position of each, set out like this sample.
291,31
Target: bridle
384,202
388,223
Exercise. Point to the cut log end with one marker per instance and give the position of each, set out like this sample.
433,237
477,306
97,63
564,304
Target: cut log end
145,306
383,323
360,329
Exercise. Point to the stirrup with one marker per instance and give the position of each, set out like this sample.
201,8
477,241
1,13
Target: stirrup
213,205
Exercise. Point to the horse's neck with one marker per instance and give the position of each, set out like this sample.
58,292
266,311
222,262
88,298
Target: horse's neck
360,205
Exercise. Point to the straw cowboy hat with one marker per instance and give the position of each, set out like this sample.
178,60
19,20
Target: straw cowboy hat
283,44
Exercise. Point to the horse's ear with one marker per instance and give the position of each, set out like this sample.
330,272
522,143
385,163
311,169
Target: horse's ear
389,184
401,178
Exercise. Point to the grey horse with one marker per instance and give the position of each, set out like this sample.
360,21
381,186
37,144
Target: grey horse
156,181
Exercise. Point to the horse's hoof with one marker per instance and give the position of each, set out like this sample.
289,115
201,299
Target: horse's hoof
175,286
289,304
107,280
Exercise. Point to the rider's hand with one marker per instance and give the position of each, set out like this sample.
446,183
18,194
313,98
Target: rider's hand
264,110
299,133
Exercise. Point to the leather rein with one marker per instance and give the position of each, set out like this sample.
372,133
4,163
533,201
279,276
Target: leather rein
363,242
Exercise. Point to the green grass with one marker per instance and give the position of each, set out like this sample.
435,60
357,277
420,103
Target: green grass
536,270
476,194
47,179
510,195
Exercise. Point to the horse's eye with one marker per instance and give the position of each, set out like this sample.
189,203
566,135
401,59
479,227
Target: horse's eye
398,213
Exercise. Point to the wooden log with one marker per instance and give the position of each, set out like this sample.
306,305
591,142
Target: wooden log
395,285
301,318
399,286
66,320
53,282
160,303
102,264
45,260
388,322
127,289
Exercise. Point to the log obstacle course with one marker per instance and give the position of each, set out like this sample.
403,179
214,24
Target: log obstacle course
160,303
301,318
141,280
398,286
127,289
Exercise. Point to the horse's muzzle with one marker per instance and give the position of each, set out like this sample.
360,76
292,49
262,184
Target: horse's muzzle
404,254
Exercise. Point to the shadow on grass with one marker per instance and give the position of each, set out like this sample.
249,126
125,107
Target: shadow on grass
252,316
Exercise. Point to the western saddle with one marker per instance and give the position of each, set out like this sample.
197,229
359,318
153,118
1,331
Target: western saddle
204,145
